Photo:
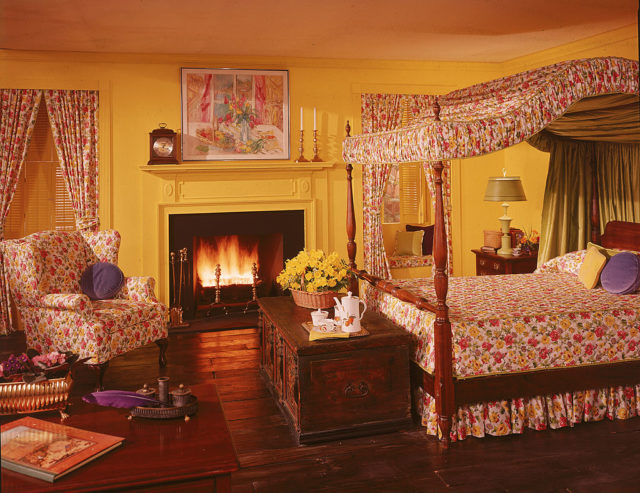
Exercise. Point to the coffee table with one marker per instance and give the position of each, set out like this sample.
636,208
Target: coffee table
158,455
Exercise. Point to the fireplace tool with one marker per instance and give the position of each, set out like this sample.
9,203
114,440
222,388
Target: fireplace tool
175,312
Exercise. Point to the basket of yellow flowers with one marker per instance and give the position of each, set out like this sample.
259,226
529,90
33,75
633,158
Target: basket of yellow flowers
314,278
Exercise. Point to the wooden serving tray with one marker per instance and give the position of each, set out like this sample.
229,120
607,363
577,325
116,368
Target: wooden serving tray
308,326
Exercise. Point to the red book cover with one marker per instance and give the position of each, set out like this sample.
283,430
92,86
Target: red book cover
47,450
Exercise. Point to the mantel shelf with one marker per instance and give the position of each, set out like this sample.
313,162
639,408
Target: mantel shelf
215,166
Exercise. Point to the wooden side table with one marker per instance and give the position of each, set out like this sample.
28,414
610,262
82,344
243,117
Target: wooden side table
337,388
489,264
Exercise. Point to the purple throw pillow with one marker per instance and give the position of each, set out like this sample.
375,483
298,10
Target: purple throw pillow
621,275
427,239
101,281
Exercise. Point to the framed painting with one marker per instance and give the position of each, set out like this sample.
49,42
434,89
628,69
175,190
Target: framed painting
232,114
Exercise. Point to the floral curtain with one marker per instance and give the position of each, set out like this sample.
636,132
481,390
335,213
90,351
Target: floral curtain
379,112
19,109
382,112
74,121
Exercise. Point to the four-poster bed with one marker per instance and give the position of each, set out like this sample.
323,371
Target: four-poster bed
456,367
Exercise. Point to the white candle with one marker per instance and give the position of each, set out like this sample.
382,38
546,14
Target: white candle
314,119
301,119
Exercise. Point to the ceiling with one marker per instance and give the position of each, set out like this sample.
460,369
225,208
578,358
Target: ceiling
439,30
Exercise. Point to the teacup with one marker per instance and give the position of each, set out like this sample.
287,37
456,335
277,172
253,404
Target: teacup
327,325
319,316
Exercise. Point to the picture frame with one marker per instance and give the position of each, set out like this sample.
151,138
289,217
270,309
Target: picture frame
234,114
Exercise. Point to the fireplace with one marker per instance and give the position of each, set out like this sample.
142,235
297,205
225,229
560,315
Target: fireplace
229,258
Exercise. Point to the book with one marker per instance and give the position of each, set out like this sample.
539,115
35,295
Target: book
488,249
48,451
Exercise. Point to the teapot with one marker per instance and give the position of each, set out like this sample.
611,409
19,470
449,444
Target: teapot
348,313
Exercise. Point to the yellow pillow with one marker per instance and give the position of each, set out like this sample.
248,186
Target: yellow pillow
607,252
409,242
592,266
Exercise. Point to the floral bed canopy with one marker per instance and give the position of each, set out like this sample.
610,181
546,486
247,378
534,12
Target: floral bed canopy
494,115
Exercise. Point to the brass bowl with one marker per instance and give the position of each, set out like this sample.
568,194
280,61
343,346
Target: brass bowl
46,395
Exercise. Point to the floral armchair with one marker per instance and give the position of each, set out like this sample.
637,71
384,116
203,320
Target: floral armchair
44,271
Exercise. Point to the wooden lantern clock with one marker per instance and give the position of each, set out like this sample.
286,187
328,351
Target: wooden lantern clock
163,146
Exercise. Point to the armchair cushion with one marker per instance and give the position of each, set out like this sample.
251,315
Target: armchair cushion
101,281
138,288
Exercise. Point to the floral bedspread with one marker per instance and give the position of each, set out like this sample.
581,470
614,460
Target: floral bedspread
407,261
520,322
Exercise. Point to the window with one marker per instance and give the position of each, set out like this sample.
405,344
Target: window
405,195
41,201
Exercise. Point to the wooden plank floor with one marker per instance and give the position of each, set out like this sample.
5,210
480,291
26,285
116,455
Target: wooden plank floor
598,457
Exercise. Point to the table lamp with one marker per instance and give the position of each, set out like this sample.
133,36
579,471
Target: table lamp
505,189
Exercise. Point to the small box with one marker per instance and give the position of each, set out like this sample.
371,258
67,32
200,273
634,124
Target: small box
492,238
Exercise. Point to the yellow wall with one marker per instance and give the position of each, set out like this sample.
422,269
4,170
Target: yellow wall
138,92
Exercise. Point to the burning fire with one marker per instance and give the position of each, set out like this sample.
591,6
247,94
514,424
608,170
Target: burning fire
235,260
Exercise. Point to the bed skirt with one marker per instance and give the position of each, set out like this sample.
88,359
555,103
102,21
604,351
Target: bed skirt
538,413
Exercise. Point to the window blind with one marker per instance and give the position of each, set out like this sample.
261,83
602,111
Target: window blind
41,201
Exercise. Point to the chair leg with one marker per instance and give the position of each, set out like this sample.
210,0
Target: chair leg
100,369
162,358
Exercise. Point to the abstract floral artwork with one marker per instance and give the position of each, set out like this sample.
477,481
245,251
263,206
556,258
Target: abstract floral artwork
234,114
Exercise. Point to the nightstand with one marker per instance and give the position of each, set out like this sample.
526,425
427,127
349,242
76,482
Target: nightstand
489,264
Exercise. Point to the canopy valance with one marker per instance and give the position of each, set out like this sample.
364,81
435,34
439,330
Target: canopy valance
494,115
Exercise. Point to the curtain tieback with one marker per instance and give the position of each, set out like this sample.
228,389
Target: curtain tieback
88,222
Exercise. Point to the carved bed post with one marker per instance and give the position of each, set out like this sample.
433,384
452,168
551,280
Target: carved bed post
351,225
595,204
443,385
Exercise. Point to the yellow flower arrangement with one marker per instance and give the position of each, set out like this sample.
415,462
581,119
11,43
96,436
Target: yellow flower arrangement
314,271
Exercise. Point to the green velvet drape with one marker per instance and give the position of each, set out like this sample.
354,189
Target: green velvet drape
566,224
567,199
618,182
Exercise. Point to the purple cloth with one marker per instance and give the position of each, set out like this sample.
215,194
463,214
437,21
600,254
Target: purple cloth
427,239
621,275
101,281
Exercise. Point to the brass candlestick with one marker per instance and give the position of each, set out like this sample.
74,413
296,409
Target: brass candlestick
316,158
301,158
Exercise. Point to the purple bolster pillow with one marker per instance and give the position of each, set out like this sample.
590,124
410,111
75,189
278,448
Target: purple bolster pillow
101,281
621,275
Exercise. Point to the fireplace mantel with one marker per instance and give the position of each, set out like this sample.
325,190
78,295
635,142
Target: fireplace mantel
225,166
235,186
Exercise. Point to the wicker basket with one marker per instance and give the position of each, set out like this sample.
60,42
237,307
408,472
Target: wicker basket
48,395
314,300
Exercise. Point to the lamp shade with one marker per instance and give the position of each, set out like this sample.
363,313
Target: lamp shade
504,189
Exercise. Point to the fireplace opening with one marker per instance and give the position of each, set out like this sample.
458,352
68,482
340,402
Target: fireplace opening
224,261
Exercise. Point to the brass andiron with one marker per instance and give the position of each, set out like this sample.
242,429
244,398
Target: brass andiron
218,274
316,158
175,312
301,158
254,282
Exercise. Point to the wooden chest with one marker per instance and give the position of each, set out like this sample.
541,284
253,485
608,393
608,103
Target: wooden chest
334,388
